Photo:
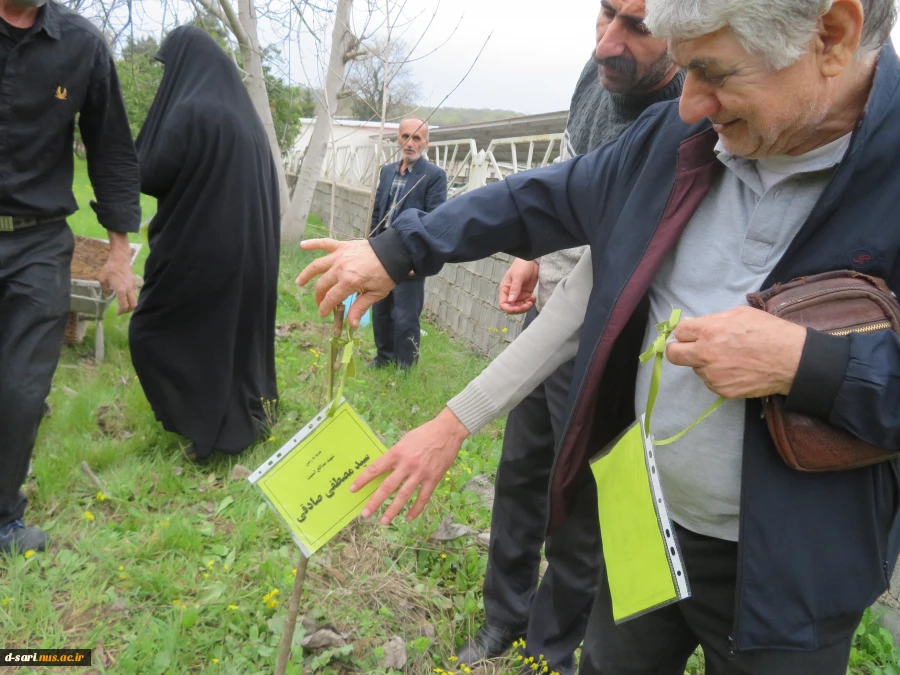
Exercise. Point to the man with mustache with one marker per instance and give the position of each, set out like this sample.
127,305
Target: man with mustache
628,72
54,66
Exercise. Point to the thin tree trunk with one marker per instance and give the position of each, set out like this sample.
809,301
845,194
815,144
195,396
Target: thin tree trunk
243,28
256,86
293,225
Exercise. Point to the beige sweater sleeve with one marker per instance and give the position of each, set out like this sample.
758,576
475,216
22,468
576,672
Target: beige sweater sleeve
550,341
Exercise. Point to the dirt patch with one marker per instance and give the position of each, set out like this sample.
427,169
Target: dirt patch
90,257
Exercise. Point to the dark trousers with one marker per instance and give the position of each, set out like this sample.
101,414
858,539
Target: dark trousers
552,616
35,267
660,643
395,321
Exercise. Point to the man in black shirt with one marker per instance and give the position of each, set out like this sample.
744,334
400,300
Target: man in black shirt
54,66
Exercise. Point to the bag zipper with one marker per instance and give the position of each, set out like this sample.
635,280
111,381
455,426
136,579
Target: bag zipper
881,325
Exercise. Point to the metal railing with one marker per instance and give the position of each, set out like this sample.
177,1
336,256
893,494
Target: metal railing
466,167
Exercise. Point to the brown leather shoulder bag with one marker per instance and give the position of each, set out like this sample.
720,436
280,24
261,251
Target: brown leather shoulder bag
839,303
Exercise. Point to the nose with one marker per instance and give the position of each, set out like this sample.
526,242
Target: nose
612,42
698,100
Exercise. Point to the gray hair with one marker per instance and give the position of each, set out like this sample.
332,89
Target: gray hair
777,29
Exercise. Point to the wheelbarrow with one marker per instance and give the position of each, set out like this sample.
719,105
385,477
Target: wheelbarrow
88,302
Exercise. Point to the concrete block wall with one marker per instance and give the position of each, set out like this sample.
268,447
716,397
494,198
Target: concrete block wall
462,299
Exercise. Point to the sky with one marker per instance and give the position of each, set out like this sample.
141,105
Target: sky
530,65
532,60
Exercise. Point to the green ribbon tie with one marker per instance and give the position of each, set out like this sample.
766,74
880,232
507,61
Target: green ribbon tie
350,345
656,352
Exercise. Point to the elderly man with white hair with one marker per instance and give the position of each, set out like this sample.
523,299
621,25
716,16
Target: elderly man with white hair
780,161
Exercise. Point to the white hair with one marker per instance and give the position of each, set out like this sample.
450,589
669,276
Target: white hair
777,29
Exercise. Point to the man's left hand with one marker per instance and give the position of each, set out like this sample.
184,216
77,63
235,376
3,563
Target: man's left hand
742,353
116,275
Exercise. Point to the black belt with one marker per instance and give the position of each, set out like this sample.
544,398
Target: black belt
13,223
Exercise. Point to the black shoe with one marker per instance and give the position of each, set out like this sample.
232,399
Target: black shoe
489,643
16,538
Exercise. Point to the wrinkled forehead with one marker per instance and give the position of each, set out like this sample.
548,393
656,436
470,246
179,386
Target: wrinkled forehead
719,50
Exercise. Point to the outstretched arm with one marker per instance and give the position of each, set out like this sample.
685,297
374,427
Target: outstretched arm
423,456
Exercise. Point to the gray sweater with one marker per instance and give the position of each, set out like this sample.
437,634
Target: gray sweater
596,117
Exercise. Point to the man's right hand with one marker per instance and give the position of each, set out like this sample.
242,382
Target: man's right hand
420,460
351,267
517,287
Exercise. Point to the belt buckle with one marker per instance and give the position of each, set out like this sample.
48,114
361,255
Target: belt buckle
6,224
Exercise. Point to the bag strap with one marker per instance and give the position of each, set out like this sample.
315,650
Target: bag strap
656,352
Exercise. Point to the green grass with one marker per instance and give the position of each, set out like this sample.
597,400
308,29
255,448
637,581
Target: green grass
147,575
166,570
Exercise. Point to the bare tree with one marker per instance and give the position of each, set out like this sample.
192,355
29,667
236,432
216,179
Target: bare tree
373,89
243,26
344,47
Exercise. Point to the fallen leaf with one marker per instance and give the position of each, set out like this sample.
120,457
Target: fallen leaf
394,654
448,531
178,470
323,639
483,488
484,538
240,472
337,575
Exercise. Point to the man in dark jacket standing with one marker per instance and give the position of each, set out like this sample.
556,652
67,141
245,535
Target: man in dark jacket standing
54,66
778,162
411,183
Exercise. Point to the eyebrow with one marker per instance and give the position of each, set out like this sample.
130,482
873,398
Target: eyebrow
705,63
628,17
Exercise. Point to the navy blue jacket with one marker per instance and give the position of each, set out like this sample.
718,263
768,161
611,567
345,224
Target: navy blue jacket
813,547
425,190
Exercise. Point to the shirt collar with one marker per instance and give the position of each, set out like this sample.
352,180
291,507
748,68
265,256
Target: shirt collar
47,21
408,168
825,157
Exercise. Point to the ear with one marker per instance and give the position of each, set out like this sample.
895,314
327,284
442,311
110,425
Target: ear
840,32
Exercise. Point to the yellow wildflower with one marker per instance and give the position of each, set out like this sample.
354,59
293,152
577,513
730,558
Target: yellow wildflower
215,660
206,575
294,572
29,553
6,601
453,659
233,607
443,555
269,598
505,331
210,564
225,567
123,576
88,516
100,497
121,568
177,603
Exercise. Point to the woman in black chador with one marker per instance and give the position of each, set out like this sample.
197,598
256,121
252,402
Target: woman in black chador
203,334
